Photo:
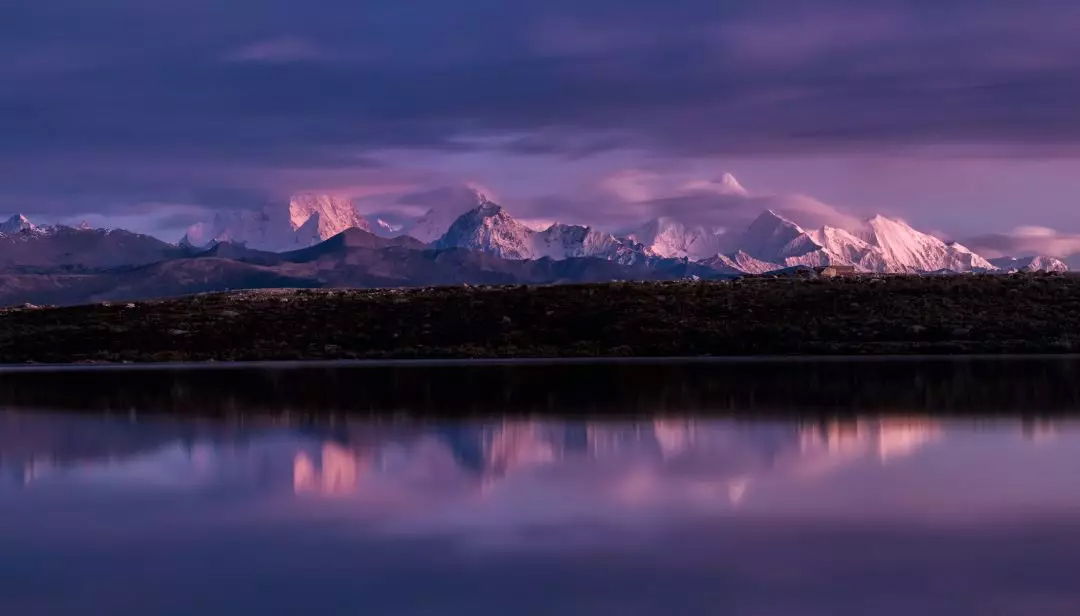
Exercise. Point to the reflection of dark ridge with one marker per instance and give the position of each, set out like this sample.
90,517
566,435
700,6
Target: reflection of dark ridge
832,387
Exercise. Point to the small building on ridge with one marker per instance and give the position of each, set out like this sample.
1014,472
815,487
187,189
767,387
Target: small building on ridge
836,271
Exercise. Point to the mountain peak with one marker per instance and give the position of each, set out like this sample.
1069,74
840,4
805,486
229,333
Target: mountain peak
771,218
488,209
729,184
903,248
669,238
17,224
488,228
335,214
1030,264
771,236
879,220
305,220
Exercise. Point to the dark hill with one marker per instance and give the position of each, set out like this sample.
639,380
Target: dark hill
893,315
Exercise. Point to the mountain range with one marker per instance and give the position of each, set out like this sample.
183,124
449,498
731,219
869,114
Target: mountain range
322,241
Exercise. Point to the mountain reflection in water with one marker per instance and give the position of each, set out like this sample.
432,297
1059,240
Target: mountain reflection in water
804,511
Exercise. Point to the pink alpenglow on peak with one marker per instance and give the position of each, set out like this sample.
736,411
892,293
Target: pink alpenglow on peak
335,214
316,218
306,220
905,249
728,230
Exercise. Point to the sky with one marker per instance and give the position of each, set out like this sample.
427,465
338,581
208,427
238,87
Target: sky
958,116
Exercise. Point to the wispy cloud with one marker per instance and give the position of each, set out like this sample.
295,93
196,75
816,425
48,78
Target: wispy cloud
286,49
254,95
1026,241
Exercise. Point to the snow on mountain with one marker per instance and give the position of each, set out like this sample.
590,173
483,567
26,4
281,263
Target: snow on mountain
71,248
773,242
264,229
846,247
561,241
1030,264
489,228
903,249
383,227
431,226
739,262
729,185
320,217
307,220
436,222
17,224
775,239
771,238
726,185
769,242
886,245
669,238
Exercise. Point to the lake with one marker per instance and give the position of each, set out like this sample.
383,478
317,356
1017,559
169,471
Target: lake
920,486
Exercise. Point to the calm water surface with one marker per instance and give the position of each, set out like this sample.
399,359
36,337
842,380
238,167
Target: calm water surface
898,488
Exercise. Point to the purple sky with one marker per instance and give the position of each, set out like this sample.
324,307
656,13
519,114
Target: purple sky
956,115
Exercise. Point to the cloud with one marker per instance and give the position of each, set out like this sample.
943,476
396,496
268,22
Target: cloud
286,49
1025,242
713,201
314,86
783,39
1034,232
445,196
622,201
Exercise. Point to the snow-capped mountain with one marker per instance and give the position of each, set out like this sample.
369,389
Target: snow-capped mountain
902,248
305,221
1030,264
884,245
26,247
436,222
846,247
669,238
739,262
771,238
756,240
729,185
17,224
561,241
320,217
489,228
771,242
